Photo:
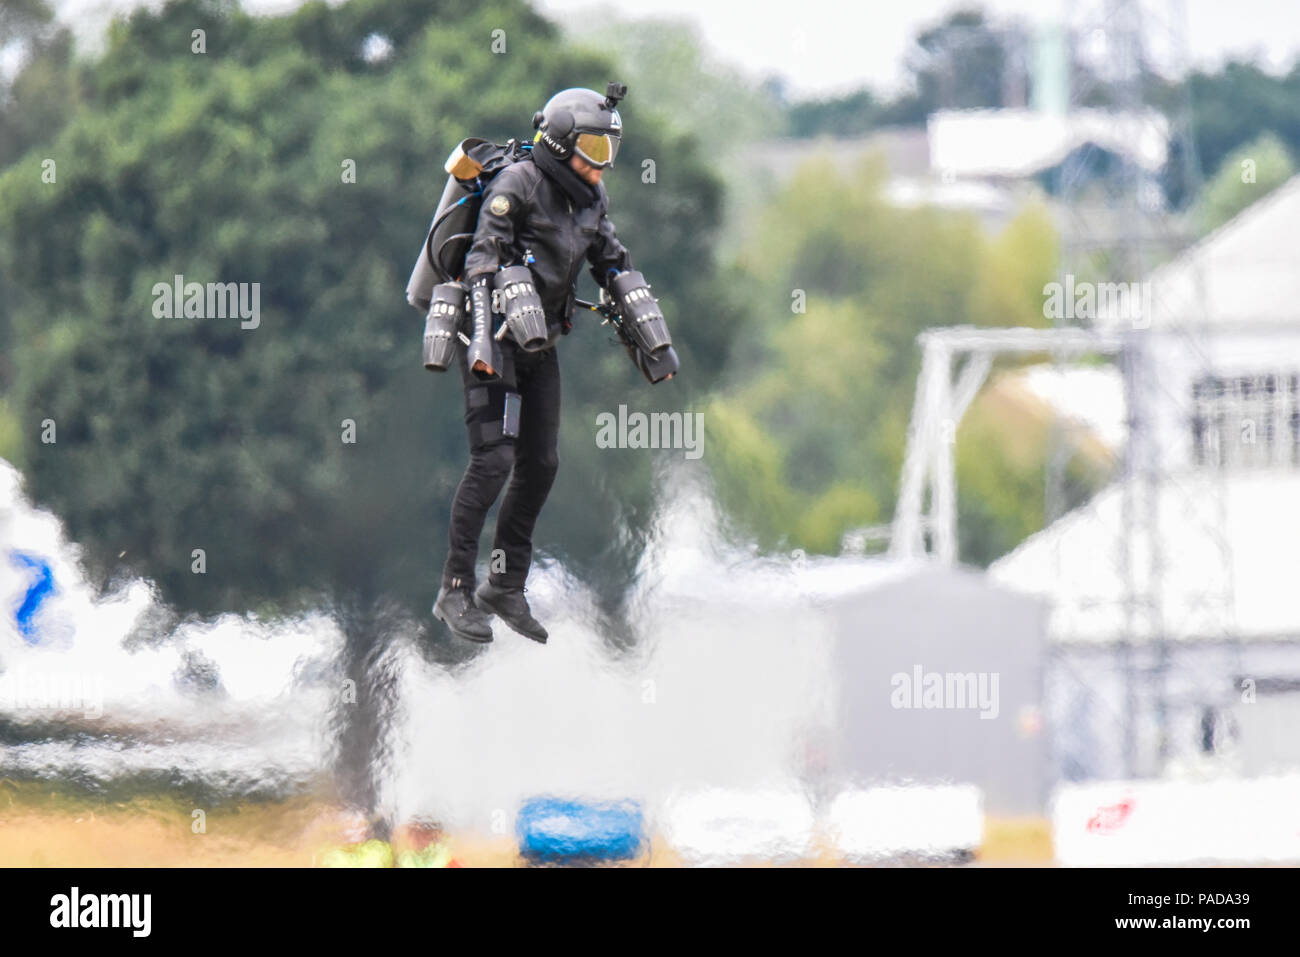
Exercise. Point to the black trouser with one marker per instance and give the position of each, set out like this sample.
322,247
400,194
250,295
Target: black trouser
529,462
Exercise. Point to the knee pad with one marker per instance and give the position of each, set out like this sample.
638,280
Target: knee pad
487,421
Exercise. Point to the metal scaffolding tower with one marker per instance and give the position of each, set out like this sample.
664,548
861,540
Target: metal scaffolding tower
1116,228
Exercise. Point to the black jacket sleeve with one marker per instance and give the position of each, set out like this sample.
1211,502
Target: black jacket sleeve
498,219
605,251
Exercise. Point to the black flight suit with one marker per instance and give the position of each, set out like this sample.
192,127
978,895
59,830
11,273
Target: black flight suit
525,210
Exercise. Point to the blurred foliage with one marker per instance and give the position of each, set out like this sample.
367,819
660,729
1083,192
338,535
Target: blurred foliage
43,89
11,440
1228,192
667,65
959,63
672,74
808,435
1002,450
848,114
175,434
1237,103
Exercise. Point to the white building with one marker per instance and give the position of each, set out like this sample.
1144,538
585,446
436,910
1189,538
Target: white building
1012,144
1176,613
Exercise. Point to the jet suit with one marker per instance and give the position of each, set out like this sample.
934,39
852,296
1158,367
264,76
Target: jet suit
541,213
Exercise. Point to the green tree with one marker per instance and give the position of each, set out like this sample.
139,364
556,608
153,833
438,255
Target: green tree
678,82
808,436
228,166
959,63
1239,102
848,114
1247,175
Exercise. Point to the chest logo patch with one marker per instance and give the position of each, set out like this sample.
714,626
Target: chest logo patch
500,205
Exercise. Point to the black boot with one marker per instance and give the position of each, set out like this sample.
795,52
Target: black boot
456,609
510,605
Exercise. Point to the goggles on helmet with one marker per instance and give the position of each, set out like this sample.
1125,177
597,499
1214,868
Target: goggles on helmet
598,149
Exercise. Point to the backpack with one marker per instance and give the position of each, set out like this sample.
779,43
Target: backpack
471,166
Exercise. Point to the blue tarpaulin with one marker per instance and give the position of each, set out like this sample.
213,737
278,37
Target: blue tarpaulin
556,829
41,588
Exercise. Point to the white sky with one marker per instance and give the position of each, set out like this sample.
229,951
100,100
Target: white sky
826,46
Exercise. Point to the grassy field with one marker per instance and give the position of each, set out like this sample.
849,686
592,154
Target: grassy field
44,828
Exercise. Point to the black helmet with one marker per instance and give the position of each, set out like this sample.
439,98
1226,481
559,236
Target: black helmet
583,122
